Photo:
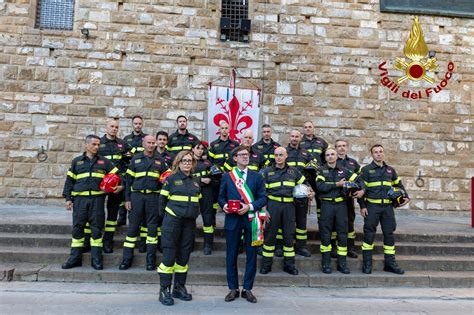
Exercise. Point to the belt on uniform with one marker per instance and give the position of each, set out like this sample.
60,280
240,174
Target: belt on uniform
280,199
338,199
379,201
146,191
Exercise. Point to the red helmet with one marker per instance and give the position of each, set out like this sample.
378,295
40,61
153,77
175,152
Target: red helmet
165,175
109,182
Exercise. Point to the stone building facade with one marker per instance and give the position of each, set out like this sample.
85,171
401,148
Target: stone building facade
313,59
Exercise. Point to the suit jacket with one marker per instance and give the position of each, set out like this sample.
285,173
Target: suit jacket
228,191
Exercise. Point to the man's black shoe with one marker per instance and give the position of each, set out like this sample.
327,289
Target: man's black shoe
232,295
71,264
207,250
394,269
126,264
248,295
326,268
96,264
265,270
303,252
291,270
180,292
352,254
108,249
367,268
165,296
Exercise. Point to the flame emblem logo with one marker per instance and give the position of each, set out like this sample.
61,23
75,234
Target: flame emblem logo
418,61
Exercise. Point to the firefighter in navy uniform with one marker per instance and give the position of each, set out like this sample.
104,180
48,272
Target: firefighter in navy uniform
161,142
299,158
376,206
181,139
266,145
117,151
344,161
179,203
83,196
134,141
329,183
256,160
141,199
202,172
280,180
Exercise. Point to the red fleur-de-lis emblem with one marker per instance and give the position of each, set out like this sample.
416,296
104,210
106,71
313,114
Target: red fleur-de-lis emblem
234,115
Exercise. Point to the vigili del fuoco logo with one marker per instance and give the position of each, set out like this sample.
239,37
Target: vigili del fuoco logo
416,66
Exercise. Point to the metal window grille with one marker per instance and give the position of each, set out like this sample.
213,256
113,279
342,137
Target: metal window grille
55,14
235,10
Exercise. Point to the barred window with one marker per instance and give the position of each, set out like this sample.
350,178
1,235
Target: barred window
235,24
55,14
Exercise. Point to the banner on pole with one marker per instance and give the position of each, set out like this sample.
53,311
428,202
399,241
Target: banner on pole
237,107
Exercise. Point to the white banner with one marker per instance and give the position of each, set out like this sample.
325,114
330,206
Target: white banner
241,111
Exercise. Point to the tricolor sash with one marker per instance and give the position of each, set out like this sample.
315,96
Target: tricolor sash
247,196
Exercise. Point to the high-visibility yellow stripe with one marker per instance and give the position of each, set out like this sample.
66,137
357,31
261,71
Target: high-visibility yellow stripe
143,229
268,248
211,154
301,237
389,250
72,175
143,234
333,235
113,223
87,231
396,181
77,242
164,269
113,157
366,246
164,192
267,254
208,229
149,174
180,269
253,167
288,249
182,148
289,254
131,173
170,211
114,170
298,231
96,242
279,237
128,245
131,239
320,177
338,199
325,249
301,180
151,240
342,251
315,150
378,200
87,193
280,199
380,183
110,229
296,164
351,235
353,177
184,198
146,191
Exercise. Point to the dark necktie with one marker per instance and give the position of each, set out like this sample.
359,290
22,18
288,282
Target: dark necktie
243,175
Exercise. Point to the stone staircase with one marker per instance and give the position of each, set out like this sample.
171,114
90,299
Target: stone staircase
34,252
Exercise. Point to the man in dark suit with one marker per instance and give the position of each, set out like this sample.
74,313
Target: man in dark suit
235,222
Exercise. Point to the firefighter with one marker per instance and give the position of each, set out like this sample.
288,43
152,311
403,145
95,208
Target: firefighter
83,196
141,195
344,161
376,207
179,204
266,145
181,139
202,173
299,158
280,180
218,153
114,149
256,160
161,142
329,183
134,141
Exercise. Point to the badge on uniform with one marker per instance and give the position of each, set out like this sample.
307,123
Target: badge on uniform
371,171
80,163
389,171
100,162
178,182
138,161
190,138
119,145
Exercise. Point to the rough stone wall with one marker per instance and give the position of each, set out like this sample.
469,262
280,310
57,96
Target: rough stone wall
313,59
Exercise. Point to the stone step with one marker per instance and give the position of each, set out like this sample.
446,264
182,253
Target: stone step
313,234
403,248
57,256
205,276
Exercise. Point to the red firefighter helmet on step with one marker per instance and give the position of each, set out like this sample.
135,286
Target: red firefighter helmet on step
109,182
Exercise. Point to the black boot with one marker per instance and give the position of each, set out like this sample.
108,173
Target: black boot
278,250
342,264
96,258
179,290
333,248
127,258
74,260
300,248
208,241
367,261
289,266
266,265
391,265
108,242
351,248
151,257
165,296
326,262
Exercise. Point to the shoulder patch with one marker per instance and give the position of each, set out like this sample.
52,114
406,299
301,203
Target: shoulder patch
271,173
80,163
371,171
102,145
138,161
260,146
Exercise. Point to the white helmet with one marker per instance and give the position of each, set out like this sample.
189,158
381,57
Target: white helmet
301,191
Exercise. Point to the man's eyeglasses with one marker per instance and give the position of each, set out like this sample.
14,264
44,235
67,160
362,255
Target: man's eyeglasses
242,154
187,161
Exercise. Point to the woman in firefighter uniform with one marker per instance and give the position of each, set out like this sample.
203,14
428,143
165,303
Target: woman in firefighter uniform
330,183
179,204
202,173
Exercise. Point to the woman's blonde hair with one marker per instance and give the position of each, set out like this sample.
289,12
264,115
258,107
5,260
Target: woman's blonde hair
179,158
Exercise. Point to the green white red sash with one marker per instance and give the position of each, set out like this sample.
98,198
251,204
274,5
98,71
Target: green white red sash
247,196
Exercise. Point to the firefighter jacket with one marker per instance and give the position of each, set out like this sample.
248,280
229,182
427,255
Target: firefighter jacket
143,174
280,182
178,142
202,170
85,175
327,179
117,151
315,147
135,142
180,196
256,161
219,151
267,149
167,157
349,163
378,181
298,158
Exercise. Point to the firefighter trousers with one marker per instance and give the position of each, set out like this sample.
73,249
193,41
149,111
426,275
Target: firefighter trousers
384,214
88,209
208,212
301,210
333,214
